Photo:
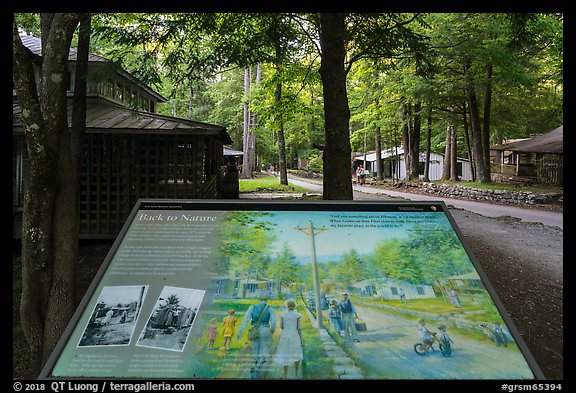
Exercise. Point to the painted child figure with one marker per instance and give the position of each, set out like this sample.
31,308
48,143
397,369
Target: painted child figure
229,328
446,341
212,332
335,318
500,335
425,334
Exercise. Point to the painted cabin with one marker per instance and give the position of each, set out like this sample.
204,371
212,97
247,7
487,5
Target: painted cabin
130,151
388,289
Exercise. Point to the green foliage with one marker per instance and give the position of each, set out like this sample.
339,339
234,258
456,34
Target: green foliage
315,163
28,23
352,267
431,253
246,239
397,58
285,269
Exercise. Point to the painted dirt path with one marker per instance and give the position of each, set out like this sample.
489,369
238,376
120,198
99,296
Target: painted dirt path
386,350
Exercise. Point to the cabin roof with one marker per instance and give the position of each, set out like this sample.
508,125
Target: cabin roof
103,116
551,142
35,46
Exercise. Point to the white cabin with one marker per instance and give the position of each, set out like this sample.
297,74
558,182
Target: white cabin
395,165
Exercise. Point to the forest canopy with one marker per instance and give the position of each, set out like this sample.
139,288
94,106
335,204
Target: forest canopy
400,69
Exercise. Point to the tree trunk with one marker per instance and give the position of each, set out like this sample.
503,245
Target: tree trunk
49,227
79,98
378,147
280,136
475,126
486,118
428,145
415,142
453,151
467,138
254,121
447,151
337,150
247,149
406,139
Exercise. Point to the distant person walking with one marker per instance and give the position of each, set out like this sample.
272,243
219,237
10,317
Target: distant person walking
402,295
360,174
455,298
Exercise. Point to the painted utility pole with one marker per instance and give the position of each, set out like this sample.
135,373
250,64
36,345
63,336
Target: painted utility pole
311,232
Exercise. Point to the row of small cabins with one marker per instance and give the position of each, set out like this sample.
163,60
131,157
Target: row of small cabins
382,287
539,159
394,165
132,152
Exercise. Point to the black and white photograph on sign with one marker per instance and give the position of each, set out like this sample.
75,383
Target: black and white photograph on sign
172,318
114,317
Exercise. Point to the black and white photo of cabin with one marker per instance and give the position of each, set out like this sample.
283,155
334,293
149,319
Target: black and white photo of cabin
172,318
114,317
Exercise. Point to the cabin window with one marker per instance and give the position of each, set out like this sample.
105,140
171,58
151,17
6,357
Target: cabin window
420,290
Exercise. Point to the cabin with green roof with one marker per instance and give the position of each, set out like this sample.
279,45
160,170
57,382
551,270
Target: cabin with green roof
130,151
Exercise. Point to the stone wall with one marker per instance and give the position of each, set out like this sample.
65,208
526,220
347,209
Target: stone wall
500,196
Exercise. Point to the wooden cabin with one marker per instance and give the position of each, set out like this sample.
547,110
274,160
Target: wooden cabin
537,159
130,151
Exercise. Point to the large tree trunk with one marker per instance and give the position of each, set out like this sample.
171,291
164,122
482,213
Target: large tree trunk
467,139
280,136
475,127
406,138
486,118
49,227
415,142
248,136
337,150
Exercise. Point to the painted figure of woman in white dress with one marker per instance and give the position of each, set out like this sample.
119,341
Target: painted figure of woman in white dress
289,350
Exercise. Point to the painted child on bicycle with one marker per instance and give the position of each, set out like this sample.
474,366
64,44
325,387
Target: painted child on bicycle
425,334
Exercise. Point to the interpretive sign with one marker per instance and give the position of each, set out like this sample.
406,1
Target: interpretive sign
331,290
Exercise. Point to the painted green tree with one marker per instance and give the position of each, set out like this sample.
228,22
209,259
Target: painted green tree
353,267
394,261
284,269
246,244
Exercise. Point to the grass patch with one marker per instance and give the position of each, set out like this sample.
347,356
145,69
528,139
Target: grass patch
268,184
437,305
